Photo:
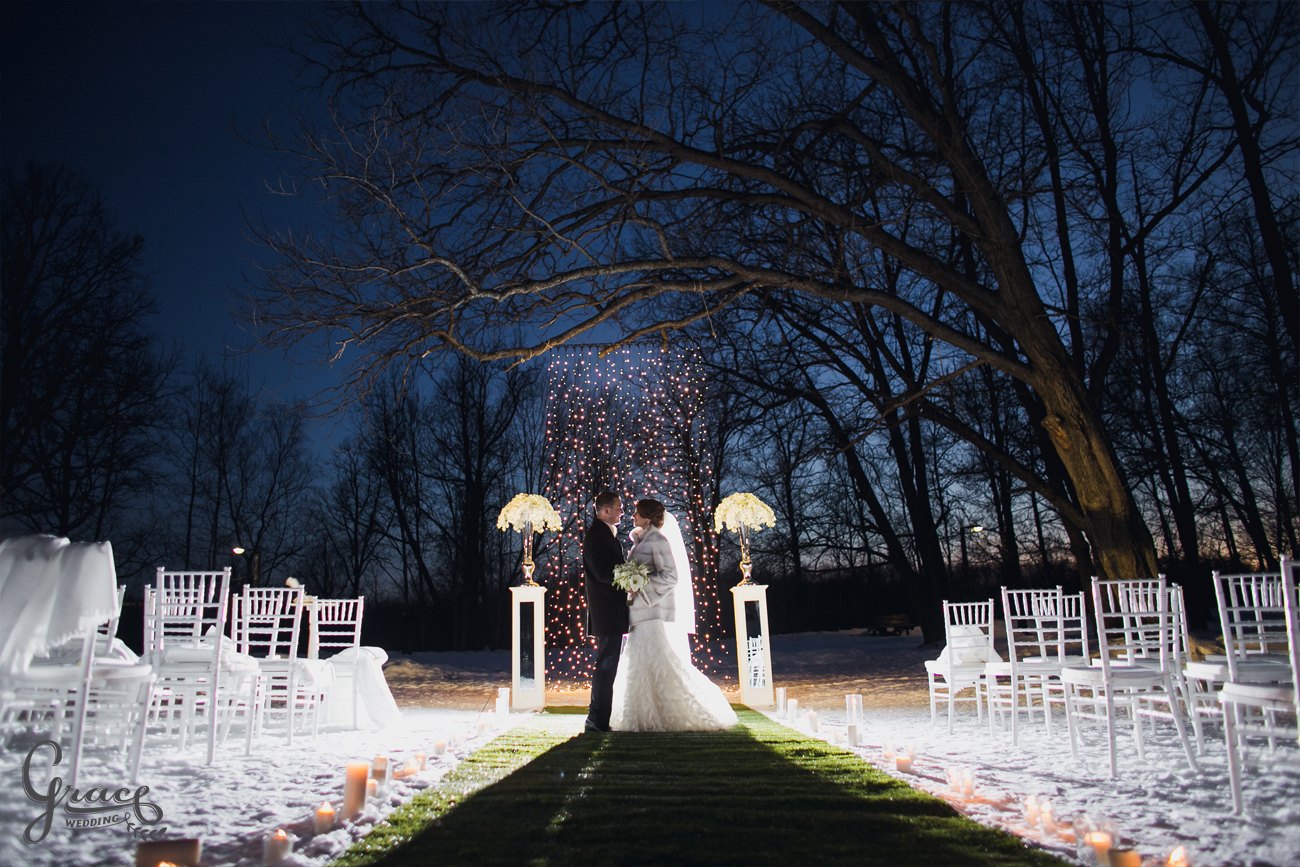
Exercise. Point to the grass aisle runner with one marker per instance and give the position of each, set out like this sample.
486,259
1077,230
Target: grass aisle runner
759,793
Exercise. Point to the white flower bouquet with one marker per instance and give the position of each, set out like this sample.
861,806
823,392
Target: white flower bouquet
631,576
743,511
529,513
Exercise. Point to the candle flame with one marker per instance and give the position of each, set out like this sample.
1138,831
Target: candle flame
1178,857
326,807
279,834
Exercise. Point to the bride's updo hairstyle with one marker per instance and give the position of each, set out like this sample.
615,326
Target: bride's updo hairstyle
651,510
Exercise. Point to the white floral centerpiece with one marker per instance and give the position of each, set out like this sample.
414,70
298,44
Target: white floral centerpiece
631,576
529,514
743,513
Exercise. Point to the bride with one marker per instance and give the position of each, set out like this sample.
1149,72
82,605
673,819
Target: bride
657,689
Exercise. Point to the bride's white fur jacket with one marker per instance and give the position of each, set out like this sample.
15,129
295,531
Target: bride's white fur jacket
655,600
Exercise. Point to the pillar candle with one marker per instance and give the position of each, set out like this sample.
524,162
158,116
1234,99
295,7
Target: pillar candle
857,707
1100,841
421,760
852,735
439,748
354,788
968,782
1031,811
379,767
792,709
183,852
780,701
812,721
850,715
1046,819
503,703
372,788
903,762
276,847
324,818
1124,858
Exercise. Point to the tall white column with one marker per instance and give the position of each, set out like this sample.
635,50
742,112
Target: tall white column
525,695
753,655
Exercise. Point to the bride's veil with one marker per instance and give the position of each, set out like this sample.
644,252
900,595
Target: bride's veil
684,593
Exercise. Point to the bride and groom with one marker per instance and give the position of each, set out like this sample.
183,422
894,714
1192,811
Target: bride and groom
649,683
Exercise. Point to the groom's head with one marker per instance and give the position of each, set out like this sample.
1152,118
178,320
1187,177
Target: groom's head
609,508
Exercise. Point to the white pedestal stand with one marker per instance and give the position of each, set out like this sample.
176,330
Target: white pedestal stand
520,697
753,655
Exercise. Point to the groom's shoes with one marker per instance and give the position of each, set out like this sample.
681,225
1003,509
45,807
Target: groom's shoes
592,727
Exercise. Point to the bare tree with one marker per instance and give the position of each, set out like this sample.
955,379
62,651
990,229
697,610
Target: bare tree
642,168
84,386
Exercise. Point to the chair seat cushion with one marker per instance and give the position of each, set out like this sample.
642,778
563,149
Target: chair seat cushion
1248,670
1120,675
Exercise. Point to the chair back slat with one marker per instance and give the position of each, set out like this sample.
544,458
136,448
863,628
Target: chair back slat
335,625
1134,622
1033,621
1252,614
266,621
189,606
968,626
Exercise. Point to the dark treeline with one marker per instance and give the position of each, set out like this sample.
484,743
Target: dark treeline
895,218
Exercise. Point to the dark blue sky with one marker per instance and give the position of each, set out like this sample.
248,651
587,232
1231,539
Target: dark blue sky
146,99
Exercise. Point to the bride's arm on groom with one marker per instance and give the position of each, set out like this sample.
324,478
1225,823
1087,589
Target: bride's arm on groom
658,555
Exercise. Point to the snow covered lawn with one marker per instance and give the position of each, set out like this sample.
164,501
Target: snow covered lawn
237,800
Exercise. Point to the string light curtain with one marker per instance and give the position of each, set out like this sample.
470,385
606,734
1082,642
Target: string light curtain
633,423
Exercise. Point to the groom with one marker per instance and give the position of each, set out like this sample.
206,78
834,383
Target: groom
606,605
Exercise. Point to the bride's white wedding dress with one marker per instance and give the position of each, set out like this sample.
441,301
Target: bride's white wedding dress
657,688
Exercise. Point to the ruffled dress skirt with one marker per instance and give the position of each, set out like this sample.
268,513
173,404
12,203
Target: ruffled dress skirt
657,690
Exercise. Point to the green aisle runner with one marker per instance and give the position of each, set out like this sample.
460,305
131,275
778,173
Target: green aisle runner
757,794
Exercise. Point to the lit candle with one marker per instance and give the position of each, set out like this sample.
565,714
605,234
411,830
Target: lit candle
1178,858
354,788
852,735
780,701
954,780
1031,811
1100,842
379,767
324,817
903,762
421,760
439,748
887,752
276,847
1046,819
372,788
968,782
1124,858
182,852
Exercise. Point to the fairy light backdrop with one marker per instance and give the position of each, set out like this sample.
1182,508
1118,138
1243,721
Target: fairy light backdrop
633,423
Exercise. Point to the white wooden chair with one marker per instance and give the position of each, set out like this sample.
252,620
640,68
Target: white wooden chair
201,674
1267,700
266,624
1046,631
1138,635
1254,638
968,628
335,627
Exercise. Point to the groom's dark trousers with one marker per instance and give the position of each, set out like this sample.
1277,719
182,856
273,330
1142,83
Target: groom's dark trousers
606,616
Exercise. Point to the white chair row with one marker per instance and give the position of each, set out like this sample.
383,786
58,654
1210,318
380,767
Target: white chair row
254,674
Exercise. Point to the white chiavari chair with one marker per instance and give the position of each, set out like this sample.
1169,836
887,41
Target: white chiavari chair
335,627
968,628
1138,635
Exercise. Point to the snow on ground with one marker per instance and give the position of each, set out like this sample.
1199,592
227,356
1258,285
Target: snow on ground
233,803
1158,803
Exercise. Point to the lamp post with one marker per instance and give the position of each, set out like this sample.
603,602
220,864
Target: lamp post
257,563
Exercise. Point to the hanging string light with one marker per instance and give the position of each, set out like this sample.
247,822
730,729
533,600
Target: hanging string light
633,423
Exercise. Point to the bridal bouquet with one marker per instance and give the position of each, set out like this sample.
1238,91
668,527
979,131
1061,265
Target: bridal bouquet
631,576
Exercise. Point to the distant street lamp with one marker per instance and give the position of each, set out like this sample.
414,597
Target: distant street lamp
976,530
257,564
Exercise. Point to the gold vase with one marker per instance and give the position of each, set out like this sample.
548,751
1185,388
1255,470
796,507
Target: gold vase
528,555
746,565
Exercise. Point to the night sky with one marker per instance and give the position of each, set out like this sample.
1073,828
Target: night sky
148,101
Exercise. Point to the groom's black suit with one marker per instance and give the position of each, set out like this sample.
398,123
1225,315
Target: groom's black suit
606,616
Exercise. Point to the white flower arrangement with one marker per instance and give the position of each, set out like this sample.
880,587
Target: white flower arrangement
739,511
529,511
631,576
